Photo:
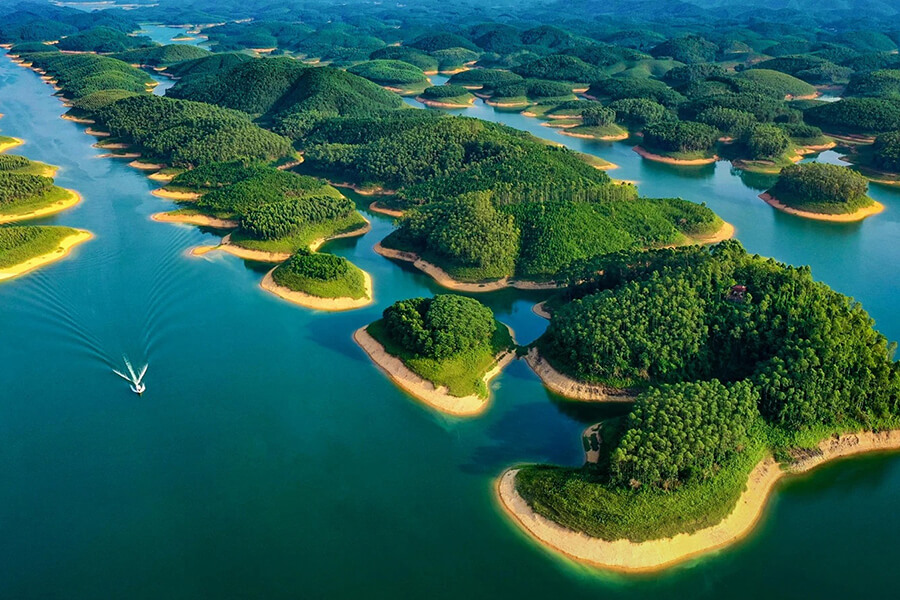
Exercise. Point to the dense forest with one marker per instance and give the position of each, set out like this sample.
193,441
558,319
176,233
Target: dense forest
821,188
723,370
321,275
449,340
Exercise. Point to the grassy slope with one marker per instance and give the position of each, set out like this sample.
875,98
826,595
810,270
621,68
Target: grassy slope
47,240
461,374
56,194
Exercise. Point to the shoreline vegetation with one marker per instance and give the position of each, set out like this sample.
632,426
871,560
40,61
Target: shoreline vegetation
317,302
631,557
264,256
72,198
569,387
445,280
63,249
436,397
687,162
858,215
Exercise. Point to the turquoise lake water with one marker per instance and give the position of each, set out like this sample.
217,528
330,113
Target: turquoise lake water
270,459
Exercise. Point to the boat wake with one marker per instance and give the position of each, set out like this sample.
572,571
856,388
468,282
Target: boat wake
135,379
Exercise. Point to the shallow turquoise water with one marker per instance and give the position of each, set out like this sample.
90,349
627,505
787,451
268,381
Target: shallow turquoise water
270,459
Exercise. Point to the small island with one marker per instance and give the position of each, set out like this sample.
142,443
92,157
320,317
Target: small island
320,281
442,350
721,350
685,143
824,192
27,190
446,96
25,248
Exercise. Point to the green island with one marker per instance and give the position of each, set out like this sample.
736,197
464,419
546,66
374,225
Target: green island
24,248
27,191
722,350
822,191
442,350
320,281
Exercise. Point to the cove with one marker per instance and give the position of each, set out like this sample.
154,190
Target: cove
270,459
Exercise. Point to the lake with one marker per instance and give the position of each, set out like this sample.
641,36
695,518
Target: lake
269,458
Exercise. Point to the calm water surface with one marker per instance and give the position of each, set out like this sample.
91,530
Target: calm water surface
270,459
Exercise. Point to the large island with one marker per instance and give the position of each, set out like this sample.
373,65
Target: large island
743,369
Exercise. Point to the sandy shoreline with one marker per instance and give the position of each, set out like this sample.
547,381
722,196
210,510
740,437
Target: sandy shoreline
627,556
45,211
14,143
603,138
438,104
859,215
195,219
385,211
674,161
145,166
540,310
573,389
437,398
444,278
725,232
178,196
63,250
271,257
317,302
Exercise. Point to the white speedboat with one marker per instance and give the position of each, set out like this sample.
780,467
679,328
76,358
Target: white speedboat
136,380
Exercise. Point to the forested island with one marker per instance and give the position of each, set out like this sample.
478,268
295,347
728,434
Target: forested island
822,191
724,352
442,350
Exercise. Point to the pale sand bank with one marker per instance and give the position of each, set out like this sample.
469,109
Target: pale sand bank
603,138
435,397
271,257
163,177
172,195
317,302
128,155
195,219
540,310
444,279
438,104
63,250
51,209
572,388
77,120
725,232
145,166
385,211
859,215
675,161
97,133
14,142
627,556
